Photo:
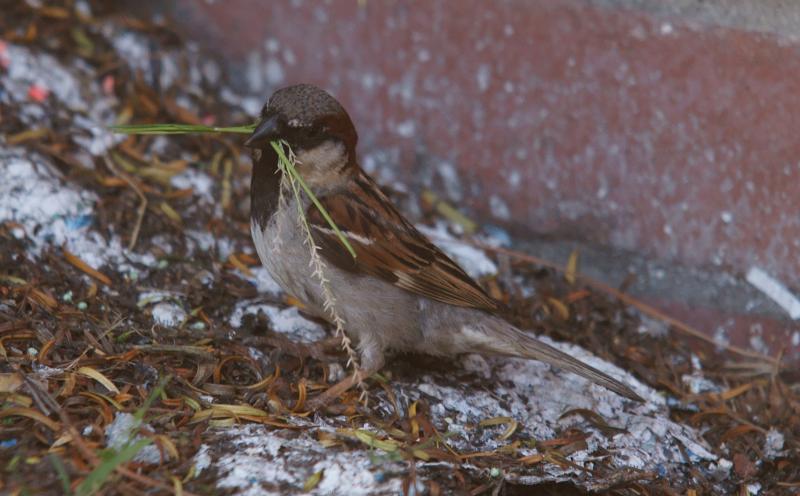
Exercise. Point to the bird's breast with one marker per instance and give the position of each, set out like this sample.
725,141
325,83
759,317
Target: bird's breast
280,248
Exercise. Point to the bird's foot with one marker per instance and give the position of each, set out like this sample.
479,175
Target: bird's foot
340,388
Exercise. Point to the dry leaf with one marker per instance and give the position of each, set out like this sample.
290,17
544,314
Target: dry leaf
99,377
18,411
312,481
571,272
9,383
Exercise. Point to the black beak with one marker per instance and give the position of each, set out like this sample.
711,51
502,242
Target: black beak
266,131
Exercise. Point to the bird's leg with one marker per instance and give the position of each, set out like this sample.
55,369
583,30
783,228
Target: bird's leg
339,388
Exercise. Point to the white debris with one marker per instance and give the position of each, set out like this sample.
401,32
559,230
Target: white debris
471,259
168,314
149,297
43,372
698,384
652,327
262,280
206,241
54,213
773,444
200,182
284,320
31,194
256,460
70,85
776,291
754,488
167,311
723,466
260,461
123,431
202,459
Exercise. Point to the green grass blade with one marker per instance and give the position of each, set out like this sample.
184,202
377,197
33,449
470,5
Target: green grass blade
99,475
289,167
112,459
179,129
61,471
155,393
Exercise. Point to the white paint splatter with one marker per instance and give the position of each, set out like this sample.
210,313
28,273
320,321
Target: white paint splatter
483,77
451,180
405,129
499,208
776,291
274,72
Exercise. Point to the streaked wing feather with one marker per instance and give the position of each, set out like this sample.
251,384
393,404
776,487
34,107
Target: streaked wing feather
389,247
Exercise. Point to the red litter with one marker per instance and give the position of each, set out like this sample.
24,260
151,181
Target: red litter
5,60
108,84
38,93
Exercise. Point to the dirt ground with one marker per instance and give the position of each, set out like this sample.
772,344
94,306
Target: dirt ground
144,348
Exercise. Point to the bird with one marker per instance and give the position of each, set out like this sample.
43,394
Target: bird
396,291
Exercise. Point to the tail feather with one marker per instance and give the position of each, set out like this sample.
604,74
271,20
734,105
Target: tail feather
514,342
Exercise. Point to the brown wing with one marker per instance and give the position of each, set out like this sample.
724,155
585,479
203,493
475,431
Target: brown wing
389,247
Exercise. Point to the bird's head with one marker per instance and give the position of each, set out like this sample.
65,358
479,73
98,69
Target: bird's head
315,126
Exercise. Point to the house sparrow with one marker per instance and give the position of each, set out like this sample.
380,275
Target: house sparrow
400,292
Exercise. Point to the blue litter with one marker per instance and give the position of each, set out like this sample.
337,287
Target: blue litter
78,221
8,443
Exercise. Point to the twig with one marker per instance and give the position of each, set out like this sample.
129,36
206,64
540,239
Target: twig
201,352
142,198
